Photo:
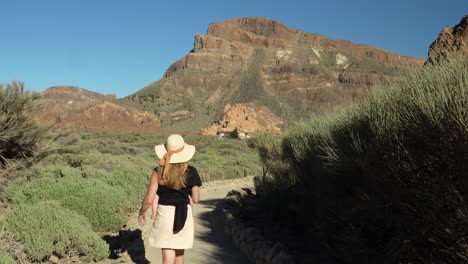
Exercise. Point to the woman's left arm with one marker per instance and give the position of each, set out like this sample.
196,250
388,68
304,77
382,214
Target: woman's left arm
149,197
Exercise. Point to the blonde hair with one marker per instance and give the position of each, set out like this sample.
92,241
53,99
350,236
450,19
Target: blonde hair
175,175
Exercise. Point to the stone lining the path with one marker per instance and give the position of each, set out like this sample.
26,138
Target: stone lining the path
249,239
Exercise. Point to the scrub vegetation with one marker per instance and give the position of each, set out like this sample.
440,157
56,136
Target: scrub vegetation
87,187
383,181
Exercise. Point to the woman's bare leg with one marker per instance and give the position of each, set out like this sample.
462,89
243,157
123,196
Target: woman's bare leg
179,256
168,256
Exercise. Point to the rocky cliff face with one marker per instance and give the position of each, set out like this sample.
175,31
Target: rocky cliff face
451,42
76,108
266,64
246,118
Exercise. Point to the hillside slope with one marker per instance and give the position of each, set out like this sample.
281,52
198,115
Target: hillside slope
260,61
80,109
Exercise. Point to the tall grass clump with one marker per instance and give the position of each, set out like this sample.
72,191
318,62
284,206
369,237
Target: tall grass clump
386,181
46,228
268,145
22,140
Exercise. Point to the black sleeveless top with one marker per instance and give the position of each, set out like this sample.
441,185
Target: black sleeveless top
179,198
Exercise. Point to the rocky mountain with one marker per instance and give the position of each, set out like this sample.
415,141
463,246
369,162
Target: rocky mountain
80,109
266,65
451,42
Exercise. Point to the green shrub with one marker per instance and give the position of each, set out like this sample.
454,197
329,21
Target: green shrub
224,159
32,191
384,177
103,176
41,170
47,228
104,206
78,194
80,160
134,182
22,140
92,172
268,145
5,259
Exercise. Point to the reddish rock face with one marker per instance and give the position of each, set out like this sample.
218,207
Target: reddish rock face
79,109
246,118
451,42
263,62
230,41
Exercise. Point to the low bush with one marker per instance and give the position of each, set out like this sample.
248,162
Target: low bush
78,194
53,171
224,159
47,228
102,177
5,259
104,206
134,182
93,172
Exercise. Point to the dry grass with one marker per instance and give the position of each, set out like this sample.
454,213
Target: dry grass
385,180
9,245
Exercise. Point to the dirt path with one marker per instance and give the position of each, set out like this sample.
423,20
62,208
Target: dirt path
210,245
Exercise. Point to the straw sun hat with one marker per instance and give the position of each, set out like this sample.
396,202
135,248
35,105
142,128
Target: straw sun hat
177,148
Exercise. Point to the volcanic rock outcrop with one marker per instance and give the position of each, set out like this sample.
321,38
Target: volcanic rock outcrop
451,42
246,118
264,63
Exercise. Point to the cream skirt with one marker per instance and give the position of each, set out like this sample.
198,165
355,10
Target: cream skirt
162,236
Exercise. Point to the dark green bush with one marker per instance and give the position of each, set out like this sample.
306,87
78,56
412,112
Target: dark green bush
22,140
386,181
268,145
47,228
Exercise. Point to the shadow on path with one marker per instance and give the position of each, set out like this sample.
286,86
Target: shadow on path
211,235
129,241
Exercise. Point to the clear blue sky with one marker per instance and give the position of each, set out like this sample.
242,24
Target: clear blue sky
113,46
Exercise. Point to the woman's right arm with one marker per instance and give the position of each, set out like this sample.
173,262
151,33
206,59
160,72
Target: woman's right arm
195,196
149,197
195,182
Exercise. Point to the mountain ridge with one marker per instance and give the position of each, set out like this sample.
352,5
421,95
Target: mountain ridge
81,109
248,74
261,61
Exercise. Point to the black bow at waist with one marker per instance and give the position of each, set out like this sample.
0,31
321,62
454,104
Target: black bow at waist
178,199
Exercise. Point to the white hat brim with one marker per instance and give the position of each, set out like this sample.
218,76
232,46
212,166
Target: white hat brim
185,155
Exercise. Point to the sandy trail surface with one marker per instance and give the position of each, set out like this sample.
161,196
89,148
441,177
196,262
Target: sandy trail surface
210,244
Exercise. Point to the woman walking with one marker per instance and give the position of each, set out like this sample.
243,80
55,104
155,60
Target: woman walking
173,188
